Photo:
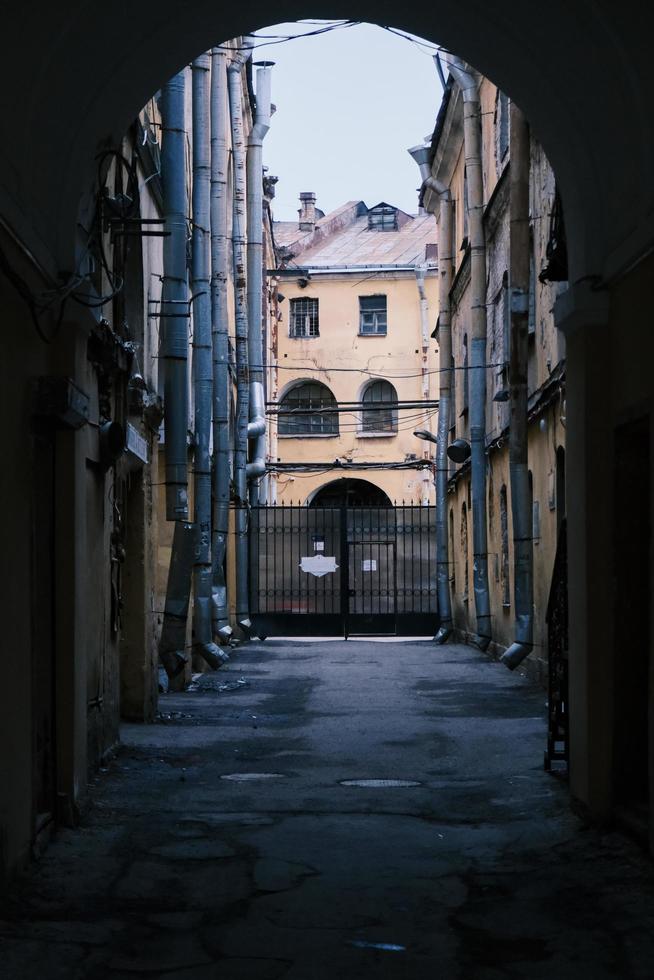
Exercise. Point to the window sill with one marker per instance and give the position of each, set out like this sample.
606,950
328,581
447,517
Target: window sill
308,435
313,336
376,435
385,334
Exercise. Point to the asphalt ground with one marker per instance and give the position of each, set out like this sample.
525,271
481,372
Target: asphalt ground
338,810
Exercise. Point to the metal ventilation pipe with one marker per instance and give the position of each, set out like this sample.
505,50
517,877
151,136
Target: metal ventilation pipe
257,425
220,340
445,264
241,331
472,143
174,305
202,364
521,503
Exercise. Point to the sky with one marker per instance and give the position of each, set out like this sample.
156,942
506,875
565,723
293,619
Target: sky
349,104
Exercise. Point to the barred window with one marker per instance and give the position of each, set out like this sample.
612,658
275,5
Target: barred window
372,315
309,406
379,413
304,317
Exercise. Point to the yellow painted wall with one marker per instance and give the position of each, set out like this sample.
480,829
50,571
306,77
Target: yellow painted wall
347,362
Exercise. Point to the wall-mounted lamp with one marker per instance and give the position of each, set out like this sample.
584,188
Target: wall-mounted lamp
426,435
459,450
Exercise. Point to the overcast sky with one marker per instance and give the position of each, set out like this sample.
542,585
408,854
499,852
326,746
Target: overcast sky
349,104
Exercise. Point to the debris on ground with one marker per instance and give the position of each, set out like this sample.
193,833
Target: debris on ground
207,682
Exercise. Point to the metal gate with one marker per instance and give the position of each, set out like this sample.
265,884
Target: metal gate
345,571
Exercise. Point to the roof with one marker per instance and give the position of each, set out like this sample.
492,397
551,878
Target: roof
351,243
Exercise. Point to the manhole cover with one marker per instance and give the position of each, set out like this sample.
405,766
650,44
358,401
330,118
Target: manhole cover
244,777
382,783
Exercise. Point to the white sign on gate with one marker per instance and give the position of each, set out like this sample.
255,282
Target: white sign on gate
369,565
318,565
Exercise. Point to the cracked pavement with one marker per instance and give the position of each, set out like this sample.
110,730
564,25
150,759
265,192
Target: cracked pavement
281,871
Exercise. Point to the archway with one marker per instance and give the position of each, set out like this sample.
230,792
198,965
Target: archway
349,493
609,232
541,72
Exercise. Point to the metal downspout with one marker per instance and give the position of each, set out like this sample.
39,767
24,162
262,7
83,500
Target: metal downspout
257,425
521,505
202,364
445,264
175,305
477,369
421,155
220,341
174,340
241,331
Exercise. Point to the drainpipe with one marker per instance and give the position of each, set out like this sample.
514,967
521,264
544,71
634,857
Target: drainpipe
519,352
241,331
421,156
174,305
424,329
202,365
472,143
445,265
257,425
220,341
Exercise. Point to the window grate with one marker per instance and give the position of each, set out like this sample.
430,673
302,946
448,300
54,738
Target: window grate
304,317
310,404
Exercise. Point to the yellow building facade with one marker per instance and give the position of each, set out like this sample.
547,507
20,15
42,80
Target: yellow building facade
546,436
353,366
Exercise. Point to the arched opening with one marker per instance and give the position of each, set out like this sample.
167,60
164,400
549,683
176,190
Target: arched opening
379,408
308,409
607,231
350,493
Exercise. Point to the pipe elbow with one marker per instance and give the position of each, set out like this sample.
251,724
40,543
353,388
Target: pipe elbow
442,635
437,186
257,427
481,642
465,79
255,469
259,133
515,654
213,655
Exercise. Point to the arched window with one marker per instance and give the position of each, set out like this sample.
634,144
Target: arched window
305,411
379,411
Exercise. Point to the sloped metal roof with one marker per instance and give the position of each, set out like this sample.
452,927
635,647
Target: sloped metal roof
355,245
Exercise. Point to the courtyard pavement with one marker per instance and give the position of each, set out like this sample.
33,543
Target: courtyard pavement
332,811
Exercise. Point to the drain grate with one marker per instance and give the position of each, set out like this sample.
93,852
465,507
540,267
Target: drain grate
380,783
245,777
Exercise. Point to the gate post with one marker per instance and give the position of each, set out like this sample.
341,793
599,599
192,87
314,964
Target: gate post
345,571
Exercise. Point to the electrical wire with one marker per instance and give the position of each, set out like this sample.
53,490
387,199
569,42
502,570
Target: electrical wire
376,374
272,39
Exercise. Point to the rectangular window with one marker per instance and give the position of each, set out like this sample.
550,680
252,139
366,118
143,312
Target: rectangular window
372,315
304,318
382,218
502,126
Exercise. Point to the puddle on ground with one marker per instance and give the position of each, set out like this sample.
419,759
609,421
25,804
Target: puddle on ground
245,777
380,783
